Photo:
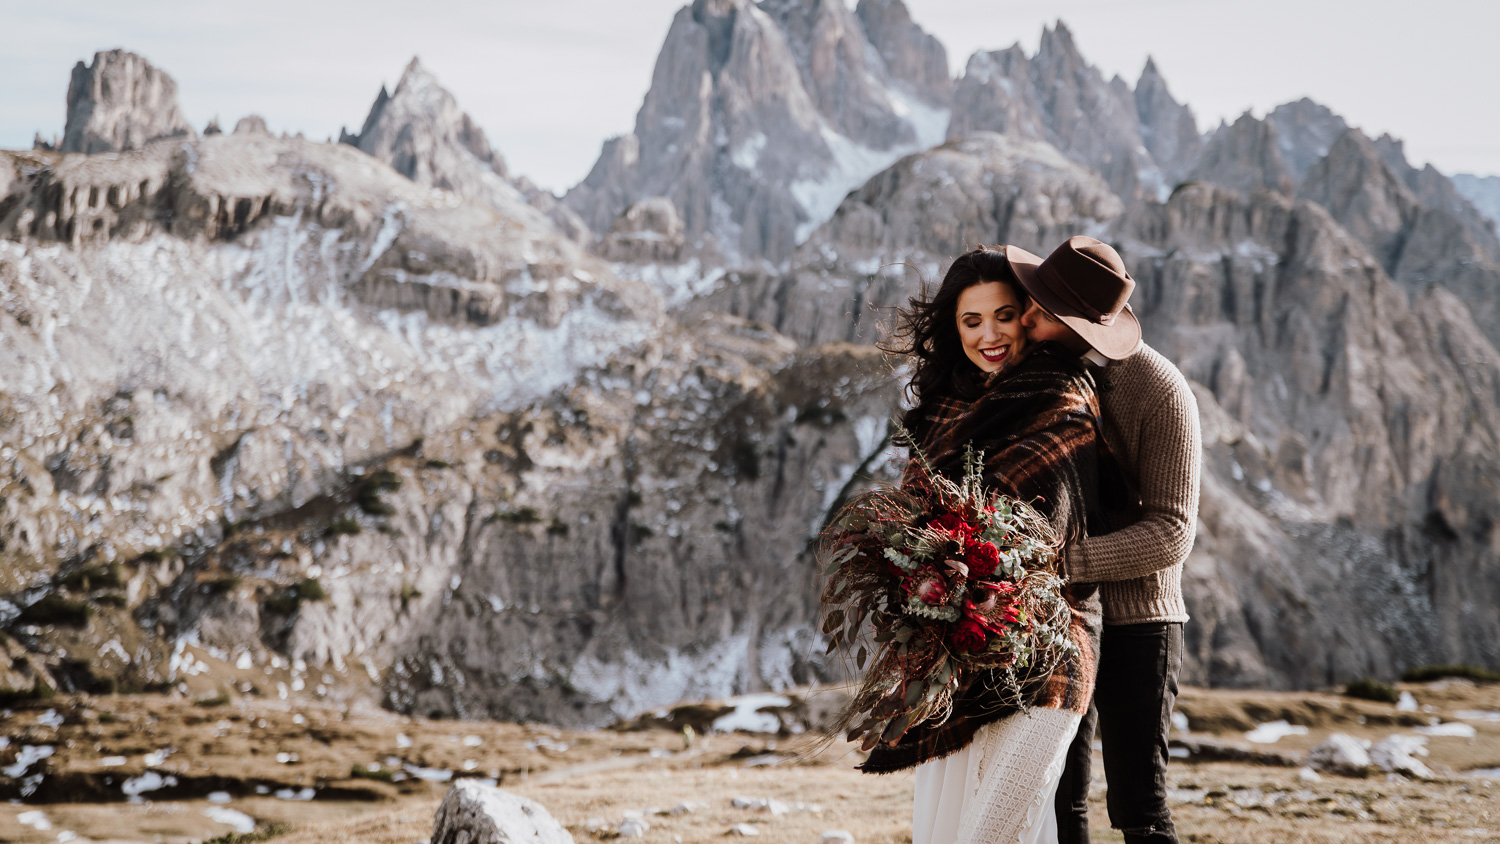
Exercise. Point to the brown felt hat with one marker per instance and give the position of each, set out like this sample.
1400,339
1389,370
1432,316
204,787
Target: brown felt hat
1085,285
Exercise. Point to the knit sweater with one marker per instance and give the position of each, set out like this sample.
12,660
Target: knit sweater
1151,426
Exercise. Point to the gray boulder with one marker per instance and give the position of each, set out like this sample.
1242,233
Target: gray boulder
121,102
473,813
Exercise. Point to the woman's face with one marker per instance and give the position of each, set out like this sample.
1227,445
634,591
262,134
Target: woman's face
989,325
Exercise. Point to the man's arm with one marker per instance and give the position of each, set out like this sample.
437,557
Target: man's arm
1169,459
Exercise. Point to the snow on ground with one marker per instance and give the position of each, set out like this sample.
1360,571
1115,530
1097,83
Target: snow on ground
1274,731
747,717
238,821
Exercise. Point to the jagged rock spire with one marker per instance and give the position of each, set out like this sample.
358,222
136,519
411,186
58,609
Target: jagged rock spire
421,132
1244,156
759,120
1305,131
1168,127
121,102
911,55
1059,97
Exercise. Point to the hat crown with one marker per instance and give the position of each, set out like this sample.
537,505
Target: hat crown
1088,275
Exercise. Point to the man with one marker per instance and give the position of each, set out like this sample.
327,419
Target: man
1079,300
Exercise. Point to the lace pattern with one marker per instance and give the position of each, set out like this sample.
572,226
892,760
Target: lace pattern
1010,772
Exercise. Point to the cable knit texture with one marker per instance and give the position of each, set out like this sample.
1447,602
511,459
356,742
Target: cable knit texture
1151,426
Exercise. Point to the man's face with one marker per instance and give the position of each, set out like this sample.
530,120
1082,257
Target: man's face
1042,326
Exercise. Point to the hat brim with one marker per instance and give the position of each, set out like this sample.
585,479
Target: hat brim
1116,341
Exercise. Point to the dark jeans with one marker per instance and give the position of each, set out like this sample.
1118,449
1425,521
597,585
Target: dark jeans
1138,665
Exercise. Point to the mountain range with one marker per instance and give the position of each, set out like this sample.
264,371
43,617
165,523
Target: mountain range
379,419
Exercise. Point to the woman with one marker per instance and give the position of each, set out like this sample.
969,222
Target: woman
990,773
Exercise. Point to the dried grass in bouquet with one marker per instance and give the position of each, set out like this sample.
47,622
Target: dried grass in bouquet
957,586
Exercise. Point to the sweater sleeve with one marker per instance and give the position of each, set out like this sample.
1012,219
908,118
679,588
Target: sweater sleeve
1169,459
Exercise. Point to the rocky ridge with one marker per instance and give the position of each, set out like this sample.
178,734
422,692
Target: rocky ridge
120,102
286,418
760,118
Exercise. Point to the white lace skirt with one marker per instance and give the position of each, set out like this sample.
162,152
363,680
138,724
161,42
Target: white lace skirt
999,789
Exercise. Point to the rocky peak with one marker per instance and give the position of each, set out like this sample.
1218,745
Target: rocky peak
911,54
1357,186
829,46
1244,156
1483,192
421,132
1305,131
1168,128
253,124
120,102
1437,191
1091,120
995,95
760,118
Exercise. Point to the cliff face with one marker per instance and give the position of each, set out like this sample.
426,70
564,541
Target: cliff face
1058,97
120,102
762,116
381,419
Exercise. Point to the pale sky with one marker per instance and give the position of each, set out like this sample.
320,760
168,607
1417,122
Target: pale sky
549,80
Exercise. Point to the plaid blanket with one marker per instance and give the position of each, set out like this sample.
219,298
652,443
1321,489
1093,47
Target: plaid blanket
1038,427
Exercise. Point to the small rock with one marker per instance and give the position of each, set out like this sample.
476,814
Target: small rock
472,813
1341,754
633,828
1307,774
1406,703
743,829
836,836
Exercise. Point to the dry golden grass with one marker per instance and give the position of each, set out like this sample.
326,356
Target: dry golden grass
603,774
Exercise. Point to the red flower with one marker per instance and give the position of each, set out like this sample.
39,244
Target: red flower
982,558
968,636
929,588
952,523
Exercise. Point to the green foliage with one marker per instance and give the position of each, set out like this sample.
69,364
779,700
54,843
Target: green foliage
281,604
1367,688
362,772
439,464
557,527
55,609
39,691
408,594
367,492
154,555
343,527
640,532
111,599
521,516
309,589
1427,673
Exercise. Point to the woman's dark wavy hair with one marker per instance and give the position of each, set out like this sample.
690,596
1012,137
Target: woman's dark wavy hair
927,329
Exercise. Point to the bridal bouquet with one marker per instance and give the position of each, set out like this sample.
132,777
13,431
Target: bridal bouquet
953,581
